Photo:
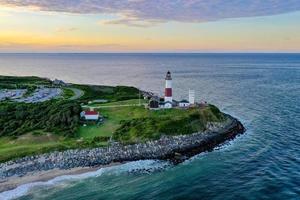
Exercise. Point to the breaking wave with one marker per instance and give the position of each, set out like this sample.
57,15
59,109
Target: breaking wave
142,166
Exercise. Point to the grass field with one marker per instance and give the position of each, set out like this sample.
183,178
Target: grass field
27,145
113,116
121,103
68,93
30,80
152,123
149,125
91,131
23,126
140,128
30,144
125,119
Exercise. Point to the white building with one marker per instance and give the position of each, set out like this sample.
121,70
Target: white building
184,104
192,97
161,105
168,104
59,82
90,115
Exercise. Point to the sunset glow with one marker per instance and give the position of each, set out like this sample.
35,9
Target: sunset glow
37,26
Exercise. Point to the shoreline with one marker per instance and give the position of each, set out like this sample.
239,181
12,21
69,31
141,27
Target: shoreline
44,176
175,149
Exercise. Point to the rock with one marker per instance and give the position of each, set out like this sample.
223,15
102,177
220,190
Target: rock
176,149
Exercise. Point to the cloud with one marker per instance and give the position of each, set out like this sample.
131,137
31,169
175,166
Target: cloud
33,47
132,21
65,29
4,15
143,13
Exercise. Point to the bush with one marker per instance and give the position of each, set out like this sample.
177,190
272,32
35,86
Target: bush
98,139
166,122
59,117
107,92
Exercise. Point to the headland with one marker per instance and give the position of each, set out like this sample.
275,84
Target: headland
69,128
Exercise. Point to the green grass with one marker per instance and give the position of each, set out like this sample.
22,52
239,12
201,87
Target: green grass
30,144
27,145
30,90
113,116
110,93
126,124
134,124
26,80
61,117
67,93
23,127
149,125
91,131
125,102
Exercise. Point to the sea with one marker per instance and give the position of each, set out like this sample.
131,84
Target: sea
262,90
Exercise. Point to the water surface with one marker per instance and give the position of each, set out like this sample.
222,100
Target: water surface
263,90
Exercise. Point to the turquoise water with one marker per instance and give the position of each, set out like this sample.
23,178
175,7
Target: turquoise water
262,90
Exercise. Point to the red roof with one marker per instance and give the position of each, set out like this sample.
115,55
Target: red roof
91,113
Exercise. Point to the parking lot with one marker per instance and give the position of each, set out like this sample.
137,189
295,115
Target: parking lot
39,95
11,94
42,95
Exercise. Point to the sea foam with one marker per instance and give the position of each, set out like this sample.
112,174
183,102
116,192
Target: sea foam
143,166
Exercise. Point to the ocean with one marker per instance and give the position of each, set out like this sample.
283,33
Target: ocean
262,90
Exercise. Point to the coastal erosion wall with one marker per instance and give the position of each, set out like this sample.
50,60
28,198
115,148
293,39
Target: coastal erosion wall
173,148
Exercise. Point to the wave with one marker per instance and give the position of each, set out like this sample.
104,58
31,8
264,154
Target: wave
142,166
226,146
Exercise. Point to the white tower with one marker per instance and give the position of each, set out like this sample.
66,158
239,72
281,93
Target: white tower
192,97
168,88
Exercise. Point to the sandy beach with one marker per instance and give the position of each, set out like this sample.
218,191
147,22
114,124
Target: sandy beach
43,176
175,149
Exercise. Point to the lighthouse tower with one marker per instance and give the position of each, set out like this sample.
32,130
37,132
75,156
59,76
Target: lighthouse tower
168,90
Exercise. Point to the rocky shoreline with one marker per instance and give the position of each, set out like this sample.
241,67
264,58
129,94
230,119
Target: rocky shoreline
172,148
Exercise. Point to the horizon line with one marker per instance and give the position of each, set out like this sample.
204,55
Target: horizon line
150,52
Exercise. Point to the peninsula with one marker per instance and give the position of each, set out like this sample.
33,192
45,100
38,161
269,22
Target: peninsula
51,125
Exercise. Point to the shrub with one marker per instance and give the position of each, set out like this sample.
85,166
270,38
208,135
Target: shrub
54,116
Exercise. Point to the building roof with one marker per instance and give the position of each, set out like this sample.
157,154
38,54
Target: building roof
168,76
153,104
154,99
91,113
184,101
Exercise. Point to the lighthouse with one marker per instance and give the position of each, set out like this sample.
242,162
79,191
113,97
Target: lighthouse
168,91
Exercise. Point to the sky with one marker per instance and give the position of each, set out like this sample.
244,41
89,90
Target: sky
149,26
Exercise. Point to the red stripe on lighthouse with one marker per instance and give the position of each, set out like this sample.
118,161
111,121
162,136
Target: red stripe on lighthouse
168,92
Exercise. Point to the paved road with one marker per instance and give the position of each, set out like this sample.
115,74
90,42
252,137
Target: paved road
77,93
41,95
115,106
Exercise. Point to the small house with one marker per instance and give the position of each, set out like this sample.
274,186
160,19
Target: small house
168,105
162,105
184,104
90,115
153,104
59,82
